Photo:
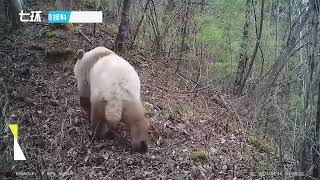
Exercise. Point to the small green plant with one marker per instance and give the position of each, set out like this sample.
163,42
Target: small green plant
201,154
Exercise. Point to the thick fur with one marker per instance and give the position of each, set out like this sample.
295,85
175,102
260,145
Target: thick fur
85,61
115,96
83,66
113,87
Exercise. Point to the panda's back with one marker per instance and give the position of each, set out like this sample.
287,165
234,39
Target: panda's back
111,76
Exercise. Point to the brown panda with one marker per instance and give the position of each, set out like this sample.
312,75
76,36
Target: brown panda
114,96
85,61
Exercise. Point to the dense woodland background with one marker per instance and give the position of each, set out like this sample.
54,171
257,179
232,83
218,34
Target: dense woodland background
262,54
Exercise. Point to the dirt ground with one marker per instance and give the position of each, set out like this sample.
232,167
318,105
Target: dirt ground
195,137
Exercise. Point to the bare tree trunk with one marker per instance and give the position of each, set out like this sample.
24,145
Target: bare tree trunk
156,30
276,31
4,21
139,24
283,57
307,93
14,8
243,58
268,84
184,28
95,24
314,46
123,32
183,33
244,69
270,12
316,149
255,51
171,4
257,35
305,114
203,3
281,163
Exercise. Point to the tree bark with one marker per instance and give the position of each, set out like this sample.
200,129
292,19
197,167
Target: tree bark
243,57
171,4
4,21
272,74
244,69
248,72
139,24
276,50
203,3
315,150
123,32
14,8
184,24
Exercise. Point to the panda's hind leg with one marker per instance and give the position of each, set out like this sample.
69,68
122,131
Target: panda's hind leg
98,121
86,105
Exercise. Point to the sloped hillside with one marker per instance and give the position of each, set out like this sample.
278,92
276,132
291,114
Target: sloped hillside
195,133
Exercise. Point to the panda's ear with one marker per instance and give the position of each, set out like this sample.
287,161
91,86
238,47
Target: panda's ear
80,53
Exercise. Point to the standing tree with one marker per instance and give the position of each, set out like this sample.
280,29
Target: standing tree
14,8
313,58
123,32
245,67
237,90
183,31
3,16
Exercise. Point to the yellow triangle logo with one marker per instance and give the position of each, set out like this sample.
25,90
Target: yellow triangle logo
14,130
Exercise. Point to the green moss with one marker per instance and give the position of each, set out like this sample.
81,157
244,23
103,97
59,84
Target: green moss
296,101
114,28
201,154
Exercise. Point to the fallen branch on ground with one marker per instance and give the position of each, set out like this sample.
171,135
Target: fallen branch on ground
85,37
185,92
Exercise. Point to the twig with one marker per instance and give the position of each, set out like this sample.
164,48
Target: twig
199,76
183,76
140,22
66,173
206,104
61,137
85,37
94,134
109,174
185,92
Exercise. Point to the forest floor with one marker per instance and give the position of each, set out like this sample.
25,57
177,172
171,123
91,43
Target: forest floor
196,136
